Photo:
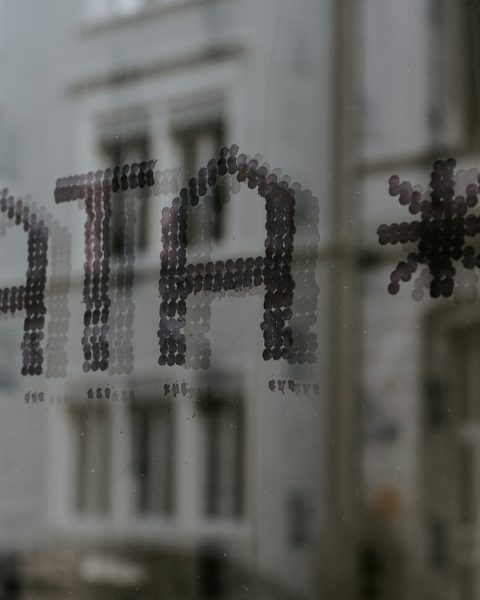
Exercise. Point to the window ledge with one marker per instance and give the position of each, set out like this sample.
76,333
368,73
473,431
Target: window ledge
98,24
156,531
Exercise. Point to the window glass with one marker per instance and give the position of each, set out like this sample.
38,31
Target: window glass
91,464
152,458
239,313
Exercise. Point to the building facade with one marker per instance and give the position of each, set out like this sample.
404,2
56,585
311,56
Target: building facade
231,475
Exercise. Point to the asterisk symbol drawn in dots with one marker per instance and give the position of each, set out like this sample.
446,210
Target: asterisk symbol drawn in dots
440,234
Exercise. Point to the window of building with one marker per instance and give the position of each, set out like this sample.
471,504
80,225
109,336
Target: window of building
129,220
214,572
299,519
197,145
8,365
435,403
222,435
455,89
452,463
152,458
92,437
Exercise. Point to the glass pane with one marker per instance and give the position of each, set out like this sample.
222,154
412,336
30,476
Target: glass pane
239,319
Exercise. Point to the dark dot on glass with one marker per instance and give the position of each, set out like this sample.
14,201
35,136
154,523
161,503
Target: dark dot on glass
447,287
435,288
393,288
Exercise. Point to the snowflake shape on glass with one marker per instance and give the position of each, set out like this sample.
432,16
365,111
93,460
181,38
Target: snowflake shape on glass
441,232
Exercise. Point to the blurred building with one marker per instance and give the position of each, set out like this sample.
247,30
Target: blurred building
119,484
419,102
